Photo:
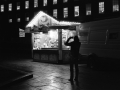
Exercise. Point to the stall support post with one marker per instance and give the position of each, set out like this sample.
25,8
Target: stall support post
60,45
32,45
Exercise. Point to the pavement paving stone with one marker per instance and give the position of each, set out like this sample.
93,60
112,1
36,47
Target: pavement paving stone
21,86
48,88
60,80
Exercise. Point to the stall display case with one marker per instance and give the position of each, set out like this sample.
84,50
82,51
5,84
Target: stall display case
45,46
44,41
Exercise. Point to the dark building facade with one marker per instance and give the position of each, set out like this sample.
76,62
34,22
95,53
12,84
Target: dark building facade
15,14
20,12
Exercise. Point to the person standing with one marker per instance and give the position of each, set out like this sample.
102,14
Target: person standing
74,53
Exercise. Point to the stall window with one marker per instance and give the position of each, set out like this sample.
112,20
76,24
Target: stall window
2,8
115,5
64,1
54,1
88,9
18,5
101,7
10,7
48,40
35,3
55,13
44,2
26,4
76,12
65,11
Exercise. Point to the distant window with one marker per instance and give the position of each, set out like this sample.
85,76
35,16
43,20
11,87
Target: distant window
101,7
10,7
35,3
64,1
115,5
55,13
26,4
65,11
18,5
18,19
10,20
88,9
44,2
54,1
2,8
76,11
27,17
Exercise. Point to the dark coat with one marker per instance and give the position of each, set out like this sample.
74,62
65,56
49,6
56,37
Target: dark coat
75,46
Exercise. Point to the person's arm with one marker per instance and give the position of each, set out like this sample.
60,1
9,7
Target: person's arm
67,43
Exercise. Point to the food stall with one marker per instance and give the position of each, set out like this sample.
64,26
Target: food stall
48,37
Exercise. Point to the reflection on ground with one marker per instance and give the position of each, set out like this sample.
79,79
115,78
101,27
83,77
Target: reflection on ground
55,77
45,76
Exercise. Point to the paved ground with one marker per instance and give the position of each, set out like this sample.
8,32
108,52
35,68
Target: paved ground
55,77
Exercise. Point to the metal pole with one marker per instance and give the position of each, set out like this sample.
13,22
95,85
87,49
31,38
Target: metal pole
32,44
60,44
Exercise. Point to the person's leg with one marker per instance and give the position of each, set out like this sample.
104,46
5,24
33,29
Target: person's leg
71,71
76,71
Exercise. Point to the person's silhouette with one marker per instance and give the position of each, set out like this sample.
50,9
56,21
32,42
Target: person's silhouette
75,46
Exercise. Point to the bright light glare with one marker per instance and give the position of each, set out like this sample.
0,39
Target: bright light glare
69,23
53,34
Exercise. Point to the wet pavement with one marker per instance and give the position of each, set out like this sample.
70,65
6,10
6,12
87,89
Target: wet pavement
55,77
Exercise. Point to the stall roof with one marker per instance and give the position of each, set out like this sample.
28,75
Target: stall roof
44,19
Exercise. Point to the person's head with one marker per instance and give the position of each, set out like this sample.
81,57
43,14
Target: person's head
76,39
